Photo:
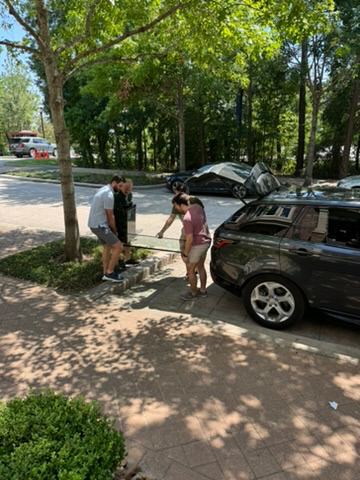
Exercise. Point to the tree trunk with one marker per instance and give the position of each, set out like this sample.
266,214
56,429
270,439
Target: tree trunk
140,150
172,147
202,145
302,110
357,153
349,134
127,158
278,153
86,153
181,125
55,84
312,140
154,147
239,115
117,146
56,101
145,149
89,152
335,156
249,126
102,139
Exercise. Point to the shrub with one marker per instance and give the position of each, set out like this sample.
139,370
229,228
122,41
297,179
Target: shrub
47,436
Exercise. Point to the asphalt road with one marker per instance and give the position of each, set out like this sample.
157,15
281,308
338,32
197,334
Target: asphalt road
39,205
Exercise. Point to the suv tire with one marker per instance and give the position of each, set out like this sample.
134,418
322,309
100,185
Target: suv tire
273,301
175,184
239,191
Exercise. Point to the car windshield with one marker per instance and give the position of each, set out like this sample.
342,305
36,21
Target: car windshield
241,168
203,169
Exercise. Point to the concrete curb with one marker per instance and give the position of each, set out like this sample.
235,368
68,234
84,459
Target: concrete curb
78,184
132,277
288,339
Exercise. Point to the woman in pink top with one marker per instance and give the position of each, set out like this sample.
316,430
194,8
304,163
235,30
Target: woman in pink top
197,243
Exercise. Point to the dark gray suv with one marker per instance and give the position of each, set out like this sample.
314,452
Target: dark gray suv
289,250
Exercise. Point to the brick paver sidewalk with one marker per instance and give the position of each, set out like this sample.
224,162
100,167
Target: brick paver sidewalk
196,400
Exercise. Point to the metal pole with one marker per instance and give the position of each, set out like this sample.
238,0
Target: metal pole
42,122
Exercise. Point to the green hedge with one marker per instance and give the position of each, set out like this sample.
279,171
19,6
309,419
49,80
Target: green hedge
44,265
47,436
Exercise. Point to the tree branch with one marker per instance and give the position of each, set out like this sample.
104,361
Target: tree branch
124,36
104,60
99,61
20,47
79,38
22,22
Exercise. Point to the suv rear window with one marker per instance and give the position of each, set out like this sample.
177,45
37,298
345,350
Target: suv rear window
280,214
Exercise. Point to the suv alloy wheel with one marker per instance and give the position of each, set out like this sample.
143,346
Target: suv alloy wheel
273,301
239,191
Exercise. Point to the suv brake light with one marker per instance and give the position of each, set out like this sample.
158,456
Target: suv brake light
21,145
221,242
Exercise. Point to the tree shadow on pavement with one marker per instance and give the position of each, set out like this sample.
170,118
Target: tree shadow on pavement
15,239
163,292
194,403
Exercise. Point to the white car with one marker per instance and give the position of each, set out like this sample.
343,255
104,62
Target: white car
349,182
73,154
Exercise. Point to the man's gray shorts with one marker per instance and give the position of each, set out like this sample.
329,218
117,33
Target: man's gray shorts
105,235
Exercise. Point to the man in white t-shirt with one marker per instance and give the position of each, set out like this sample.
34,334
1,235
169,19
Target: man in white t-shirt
102,223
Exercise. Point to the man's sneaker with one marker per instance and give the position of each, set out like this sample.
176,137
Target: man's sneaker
131,262
120,266
113,277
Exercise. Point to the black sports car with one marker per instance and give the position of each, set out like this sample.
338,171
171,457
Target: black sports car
238,173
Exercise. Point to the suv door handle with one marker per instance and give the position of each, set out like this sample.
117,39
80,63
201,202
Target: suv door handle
301,251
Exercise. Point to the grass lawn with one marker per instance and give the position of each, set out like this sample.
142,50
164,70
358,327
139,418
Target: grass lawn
95,178
48,162
44,265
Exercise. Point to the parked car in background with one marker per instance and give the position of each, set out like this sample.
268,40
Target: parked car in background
285,251
239,172
28,146
349,182
13,142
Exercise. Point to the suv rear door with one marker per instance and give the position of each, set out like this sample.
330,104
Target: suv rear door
336,274
321,252
298,251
